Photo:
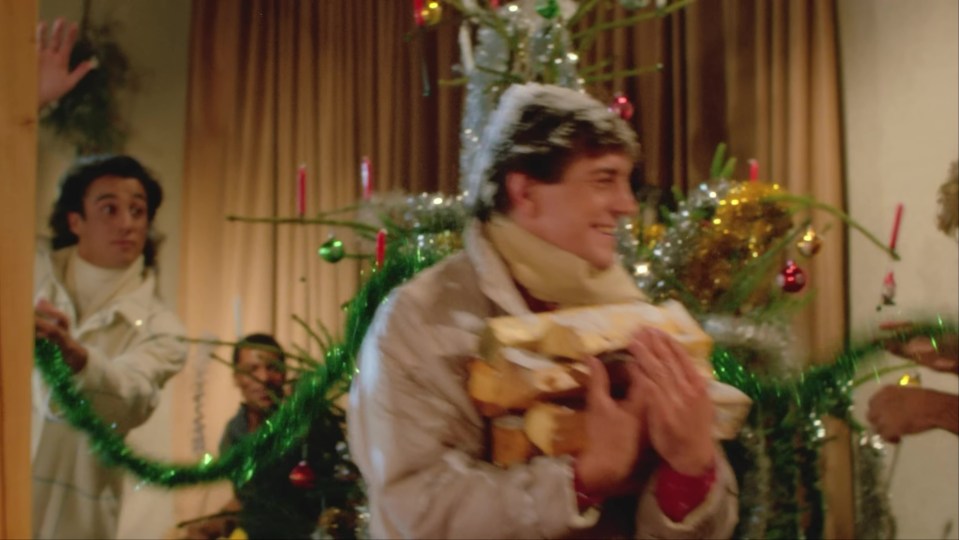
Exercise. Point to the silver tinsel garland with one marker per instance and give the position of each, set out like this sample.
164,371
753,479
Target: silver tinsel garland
874,517
521,47
754,496
772,340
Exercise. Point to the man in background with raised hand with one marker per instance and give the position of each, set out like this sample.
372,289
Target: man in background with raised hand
96,299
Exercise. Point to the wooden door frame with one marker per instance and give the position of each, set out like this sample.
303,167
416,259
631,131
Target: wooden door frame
18,156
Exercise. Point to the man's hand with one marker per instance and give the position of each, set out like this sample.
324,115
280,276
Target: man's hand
678,409
53,324
53,54
941,355
614,434
895,411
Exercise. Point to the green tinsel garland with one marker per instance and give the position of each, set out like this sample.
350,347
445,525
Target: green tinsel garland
312,398
279,434
820,390
785,429
782,423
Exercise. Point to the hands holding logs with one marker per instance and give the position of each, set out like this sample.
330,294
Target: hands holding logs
666,408
546,390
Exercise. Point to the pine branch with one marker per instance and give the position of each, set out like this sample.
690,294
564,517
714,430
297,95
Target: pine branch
585,37
581,12
595,67
810,202
313,335
876,373
625,73
355,225
746,280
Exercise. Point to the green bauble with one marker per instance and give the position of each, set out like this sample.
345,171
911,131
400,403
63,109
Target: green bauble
547,8
332,250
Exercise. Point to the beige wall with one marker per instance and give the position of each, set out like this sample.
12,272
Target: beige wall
154,34
900,66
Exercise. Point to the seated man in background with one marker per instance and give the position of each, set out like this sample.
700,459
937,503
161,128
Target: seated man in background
96,298
270,505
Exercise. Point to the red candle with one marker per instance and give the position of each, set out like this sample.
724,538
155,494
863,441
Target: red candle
418,12
380,247
301,191
753,170
366,177
895,228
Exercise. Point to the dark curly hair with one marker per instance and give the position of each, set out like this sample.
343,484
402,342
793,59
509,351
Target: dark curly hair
76,181
543,130
266,342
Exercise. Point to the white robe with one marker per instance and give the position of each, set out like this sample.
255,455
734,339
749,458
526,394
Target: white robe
133,350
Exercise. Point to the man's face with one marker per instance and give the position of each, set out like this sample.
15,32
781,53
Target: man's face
580,212
113,227
254,367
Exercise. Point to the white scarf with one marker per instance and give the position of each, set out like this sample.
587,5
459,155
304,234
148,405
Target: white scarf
93,287
551,274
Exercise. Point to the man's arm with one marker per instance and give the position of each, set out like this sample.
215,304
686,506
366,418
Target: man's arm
417,439
895,411
124,389
693,493
947,415
714,517
419,456
215,527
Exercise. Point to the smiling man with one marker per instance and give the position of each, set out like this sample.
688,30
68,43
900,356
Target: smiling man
550,183
95,294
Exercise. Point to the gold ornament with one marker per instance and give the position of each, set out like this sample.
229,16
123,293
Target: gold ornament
432,12
338,523
744,226
653,233
810,243
910,379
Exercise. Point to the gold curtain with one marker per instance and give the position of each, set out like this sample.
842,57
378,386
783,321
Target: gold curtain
762,76
276,84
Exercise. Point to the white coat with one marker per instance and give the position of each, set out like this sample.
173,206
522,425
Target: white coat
419,440
133,350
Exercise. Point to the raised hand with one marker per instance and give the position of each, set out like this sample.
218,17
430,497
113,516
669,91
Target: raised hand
53,56
679,412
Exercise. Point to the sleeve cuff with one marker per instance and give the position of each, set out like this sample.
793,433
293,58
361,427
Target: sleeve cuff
587,507
678,494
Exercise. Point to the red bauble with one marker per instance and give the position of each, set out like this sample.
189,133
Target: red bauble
791,279
621,106
302,476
